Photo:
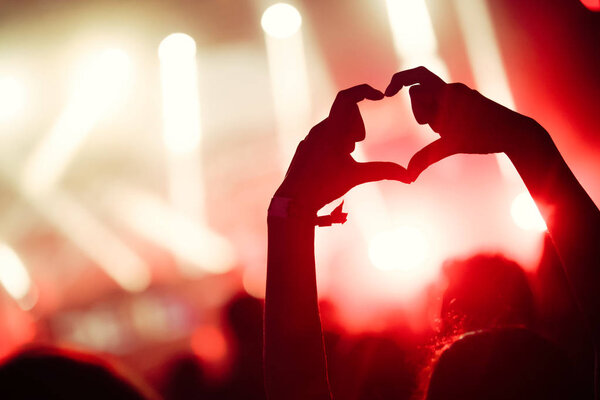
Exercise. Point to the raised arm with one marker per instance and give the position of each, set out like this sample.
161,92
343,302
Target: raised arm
321,171
470,123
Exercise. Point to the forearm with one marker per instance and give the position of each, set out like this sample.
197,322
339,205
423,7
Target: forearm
572,218
295,365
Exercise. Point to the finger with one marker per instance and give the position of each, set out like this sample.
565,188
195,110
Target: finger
410,77
378,171
428,155
355,94
423,104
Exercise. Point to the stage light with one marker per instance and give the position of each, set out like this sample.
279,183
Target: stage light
177,45
179,81
526,214
281,20
404,248
289,82
12,97
411,27
13,275
98,88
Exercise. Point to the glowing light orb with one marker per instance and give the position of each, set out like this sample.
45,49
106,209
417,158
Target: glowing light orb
12,97
177,45
404,248
526,214
281,20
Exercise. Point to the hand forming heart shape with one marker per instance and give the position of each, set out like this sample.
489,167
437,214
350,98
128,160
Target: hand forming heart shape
323,169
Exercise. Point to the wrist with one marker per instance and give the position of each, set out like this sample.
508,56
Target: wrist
289,208
529,138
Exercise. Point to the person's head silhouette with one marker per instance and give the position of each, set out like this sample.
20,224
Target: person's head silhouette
61,374
510,363
485,291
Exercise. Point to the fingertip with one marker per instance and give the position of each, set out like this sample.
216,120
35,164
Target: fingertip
391,90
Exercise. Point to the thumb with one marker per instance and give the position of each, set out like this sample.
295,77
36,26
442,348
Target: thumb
428,155
378,171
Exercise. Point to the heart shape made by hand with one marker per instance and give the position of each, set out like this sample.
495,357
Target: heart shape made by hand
323,169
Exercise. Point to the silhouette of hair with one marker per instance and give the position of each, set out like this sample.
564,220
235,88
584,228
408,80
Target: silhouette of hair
51,373
485,291
186,379
509,363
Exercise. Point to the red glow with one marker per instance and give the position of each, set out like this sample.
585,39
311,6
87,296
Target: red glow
208,343
593,5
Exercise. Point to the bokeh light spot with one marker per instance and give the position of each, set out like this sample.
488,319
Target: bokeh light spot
281,20
177,45
404,248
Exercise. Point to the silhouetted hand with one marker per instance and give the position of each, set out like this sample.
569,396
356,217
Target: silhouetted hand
466,121
322,168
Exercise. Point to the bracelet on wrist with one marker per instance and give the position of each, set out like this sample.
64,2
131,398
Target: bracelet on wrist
285,207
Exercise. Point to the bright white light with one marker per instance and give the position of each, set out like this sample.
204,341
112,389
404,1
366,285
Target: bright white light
99,85
404,248
100,81
526,214
290,88
13,275
281,20
411,27
12,97
177,45
179,80
483,51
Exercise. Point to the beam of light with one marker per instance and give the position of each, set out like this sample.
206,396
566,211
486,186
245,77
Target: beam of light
290,88
281,20
88,233
200,249
12,98
179,81
15,278
181,123
526,214
414,37
289,81
486,63
99,84
402,248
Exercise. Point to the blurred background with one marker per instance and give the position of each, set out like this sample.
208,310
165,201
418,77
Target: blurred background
141,142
